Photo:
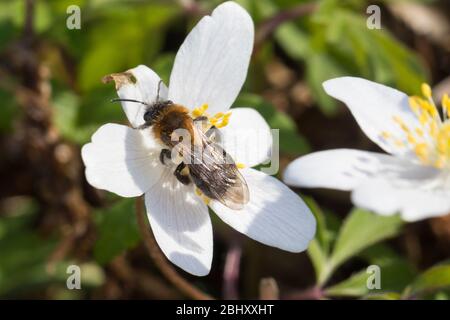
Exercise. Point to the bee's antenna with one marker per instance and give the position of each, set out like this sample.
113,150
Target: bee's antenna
129,100
159,88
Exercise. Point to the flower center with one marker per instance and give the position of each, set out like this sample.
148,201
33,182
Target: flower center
219,120
430,140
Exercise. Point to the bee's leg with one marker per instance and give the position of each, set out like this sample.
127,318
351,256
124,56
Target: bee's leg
181,174
165,153
211,131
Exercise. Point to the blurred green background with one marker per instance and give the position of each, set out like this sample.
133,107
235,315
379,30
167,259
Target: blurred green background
52,100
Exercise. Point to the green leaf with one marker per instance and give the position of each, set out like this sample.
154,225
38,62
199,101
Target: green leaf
319,247
322,235
322,67
397,271
354,286
395,274
66,108
360,230
24,254
125,37
318,257
117,230
434,279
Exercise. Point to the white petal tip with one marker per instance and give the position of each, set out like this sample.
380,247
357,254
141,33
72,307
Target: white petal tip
190,264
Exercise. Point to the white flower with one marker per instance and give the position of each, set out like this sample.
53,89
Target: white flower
210,68
414,179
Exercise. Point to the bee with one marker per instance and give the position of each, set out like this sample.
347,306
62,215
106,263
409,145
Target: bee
203,161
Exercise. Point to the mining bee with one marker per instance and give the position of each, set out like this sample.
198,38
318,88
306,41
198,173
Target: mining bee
203,161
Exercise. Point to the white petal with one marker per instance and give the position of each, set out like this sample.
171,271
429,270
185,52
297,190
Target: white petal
341,169
247,137
144,87
212,63
275,215
121,160
374,105
386,197
181,224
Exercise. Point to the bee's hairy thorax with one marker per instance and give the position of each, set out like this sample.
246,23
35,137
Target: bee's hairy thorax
167,117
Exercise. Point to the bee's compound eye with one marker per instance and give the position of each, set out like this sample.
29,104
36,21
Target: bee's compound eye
148,116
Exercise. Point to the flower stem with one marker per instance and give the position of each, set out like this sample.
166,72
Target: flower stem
160,260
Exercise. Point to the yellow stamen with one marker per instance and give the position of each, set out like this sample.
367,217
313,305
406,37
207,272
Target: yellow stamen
240,165
411,139
200,111
386,134
430,140
400,122
218,115
426,90
440,162
220,120
421,151
205,199
446,105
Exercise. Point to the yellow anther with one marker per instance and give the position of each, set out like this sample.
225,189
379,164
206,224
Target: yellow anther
386,134
240,165
421,150
442,145
433,129
205,199
430,140
398,120
218,115
419,132
197,112
411,139
446,105
431,109
223,123
426,90
414,105
220,120
440,162
401,123
423,119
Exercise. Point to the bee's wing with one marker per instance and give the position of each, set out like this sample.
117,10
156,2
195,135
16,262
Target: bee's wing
214,172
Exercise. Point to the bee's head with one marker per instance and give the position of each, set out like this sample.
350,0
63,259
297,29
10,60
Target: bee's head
152,111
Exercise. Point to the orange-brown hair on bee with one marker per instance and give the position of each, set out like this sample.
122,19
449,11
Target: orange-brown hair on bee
169,119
